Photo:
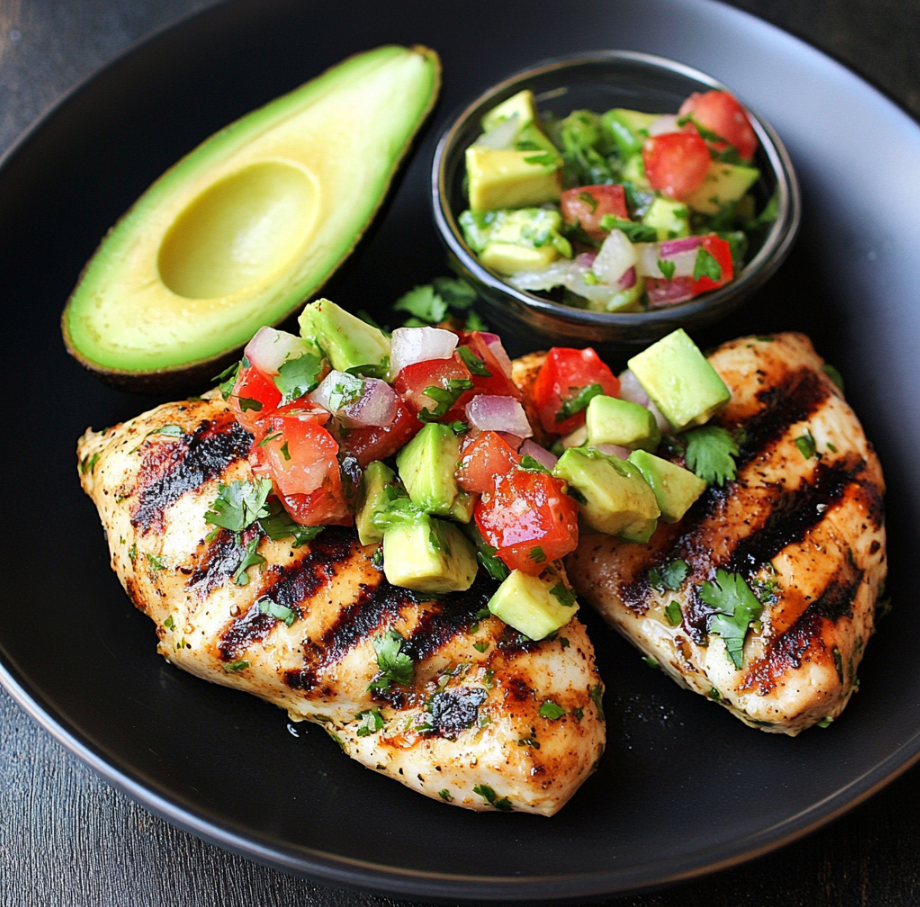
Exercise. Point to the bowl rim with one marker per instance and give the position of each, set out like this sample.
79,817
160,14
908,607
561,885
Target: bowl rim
758,270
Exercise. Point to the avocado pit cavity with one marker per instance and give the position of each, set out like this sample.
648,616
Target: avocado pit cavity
241,230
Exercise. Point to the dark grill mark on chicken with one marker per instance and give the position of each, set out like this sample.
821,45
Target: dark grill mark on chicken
295,585
170,470
791,648
221,558
792,399
792,515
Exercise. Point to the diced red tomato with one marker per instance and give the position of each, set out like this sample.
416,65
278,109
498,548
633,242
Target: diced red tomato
483,459
373,443
564,373
586,205
675,163
496,382
254,397
721,251
722,113
301,456
324,507
412,381
528,519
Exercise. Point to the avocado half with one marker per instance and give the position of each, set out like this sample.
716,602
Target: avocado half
247,226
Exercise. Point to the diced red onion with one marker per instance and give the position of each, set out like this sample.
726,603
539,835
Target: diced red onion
664,124
669,292
628,280
411,345
531,449
269,349
671,247
631,390
613,450
649,254
493,413
513,441
375,407
494,343
614,258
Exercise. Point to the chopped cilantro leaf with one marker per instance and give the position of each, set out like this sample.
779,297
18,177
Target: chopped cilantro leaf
710,453
240,504
394,664
156,562
169,623
281,612
705,265
579,401
481,646
834,375
635,232
473,362
597,697
299,376
227,379
528,462
673,613
736,608
492,798
172,431
806,445
563,594
348,389
371,722
537,555
667,268
87,464
249,559
669,576
247,404
424,303
550,710
234,667
474,322
277,525
444,397
445,795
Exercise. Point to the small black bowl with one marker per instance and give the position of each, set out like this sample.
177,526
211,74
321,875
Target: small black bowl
598,81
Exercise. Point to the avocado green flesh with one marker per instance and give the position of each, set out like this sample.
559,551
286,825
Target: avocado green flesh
253,221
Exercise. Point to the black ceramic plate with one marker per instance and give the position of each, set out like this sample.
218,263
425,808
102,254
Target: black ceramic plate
684,788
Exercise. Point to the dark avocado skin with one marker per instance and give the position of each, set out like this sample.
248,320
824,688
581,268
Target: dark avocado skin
195,377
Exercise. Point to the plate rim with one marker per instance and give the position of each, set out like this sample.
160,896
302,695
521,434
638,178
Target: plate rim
378,878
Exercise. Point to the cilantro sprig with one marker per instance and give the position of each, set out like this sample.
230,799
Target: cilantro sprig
239,504
736,607
710,453
394,665
578,401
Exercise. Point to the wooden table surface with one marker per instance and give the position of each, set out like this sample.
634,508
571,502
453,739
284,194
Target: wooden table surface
68,838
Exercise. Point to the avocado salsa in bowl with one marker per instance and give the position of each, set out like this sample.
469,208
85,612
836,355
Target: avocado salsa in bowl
612,197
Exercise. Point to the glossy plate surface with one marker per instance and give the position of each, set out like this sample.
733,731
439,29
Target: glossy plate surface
684,788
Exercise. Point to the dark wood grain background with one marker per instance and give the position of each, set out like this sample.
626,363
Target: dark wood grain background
68,838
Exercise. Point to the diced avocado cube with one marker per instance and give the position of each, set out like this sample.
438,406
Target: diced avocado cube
426,467
614,421
640,531
509,241
722,185
429,555
617,498
345,339
627,129
462,508
634,172
507,178
675,488
372,499
523,105
508,259
532,604
671,219
533,138
674,373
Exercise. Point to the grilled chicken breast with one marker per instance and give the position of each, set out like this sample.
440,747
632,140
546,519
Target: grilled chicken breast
303,631
802,524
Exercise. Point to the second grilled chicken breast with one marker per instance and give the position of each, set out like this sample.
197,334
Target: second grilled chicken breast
802,526
437,694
